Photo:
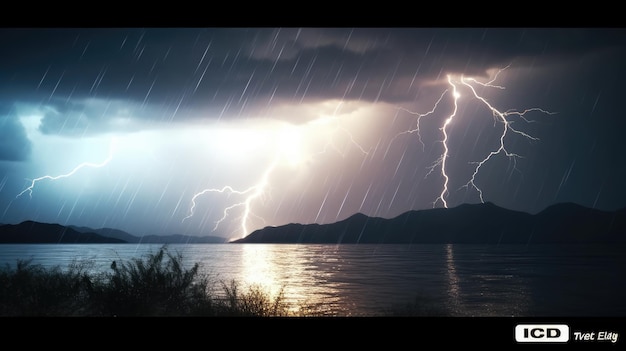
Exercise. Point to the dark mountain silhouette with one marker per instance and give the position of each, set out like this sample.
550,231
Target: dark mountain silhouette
44,233
108,232
466,224
30,232
181,239
153,239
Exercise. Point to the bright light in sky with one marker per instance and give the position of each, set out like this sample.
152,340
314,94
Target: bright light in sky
178,161
220,131
290,145
292,153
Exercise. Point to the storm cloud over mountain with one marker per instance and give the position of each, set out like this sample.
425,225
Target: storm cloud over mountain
221,131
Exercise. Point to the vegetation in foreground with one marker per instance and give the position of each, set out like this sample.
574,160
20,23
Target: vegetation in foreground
155,285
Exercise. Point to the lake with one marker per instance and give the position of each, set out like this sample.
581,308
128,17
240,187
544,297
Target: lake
370,280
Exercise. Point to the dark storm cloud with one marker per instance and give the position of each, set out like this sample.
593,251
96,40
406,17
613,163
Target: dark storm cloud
82,117
14,144
227,69
94,80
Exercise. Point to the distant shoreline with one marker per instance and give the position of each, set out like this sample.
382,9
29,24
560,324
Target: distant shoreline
486,223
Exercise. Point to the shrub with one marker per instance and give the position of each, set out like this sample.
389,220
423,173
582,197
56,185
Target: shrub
253,302
32,290
154,285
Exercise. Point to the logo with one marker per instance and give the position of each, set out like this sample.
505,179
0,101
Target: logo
542,333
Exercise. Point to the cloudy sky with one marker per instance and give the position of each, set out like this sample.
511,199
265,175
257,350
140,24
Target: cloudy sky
220,131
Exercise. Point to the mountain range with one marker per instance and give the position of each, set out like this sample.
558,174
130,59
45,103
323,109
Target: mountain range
30,232
483,223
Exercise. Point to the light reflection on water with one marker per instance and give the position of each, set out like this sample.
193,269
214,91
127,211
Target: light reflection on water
457,280
453,279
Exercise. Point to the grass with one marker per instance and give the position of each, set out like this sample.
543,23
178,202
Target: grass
154,285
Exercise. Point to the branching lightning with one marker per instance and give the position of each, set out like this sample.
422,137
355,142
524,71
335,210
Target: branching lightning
444,156
499,116
417,122
31,187
502,117
253,193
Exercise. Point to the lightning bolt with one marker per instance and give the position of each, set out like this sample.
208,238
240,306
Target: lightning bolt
444,156
417,122
251,193
499,116
260,189
502,117
30,188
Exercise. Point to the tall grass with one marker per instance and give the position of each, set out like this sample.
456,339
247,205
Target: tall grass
31,290
157,284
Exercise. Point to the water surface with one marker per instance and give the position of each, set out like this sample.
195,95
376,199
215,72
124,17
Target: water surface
368,280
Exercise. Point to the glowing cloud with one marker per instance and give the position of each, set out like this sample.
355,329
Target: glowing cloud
292,147
31,187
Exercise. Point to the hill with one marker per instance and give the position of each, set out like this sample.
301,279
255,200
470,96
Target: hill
31,232
44,233
467,224
153,239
